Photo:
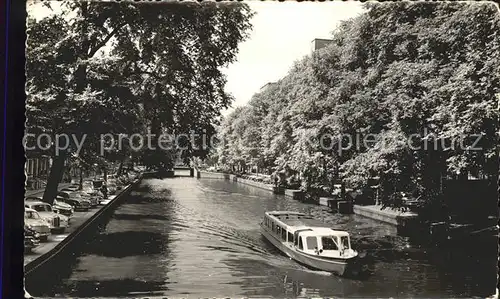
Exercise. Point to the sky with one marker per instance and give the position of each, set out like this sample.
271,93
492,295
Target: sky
282,34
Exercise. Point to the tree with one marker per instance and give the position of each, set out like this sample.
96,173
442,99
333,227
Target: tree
406,109
105,67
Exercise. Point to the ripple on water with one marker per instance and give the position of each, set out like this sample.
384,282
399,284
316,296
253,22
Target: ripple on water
182,236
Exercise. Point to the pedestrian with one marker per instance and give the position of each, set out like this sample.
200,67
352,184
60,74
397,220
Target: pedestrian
104,191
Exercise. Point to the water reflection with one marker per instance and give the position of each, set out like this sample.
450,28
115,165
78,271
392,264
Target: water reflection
200,238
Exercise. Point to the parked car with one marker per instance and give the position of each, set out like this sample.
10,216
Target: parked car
94,199
31,239
93,192
57,222
107,200
63,209
73,203
112,187
78,203
33,221
72,188
97,184
88,187
57,207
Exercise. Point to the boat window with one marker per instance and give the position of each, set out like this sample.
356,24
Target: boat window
283,234
345,242
329,243
290,237
301,246
278,229
272,226
296,239
312,242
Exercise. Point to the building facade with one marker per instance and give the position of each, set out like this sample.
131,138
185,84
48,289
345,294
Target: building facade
319,43
37,171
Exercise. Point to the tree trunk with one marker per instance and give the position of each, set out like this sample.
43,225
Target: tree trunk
120,167
55,176
342,191
105,174
80,186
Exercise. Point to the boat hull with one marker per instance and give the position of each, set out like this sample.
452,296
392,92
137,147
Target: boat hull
342,267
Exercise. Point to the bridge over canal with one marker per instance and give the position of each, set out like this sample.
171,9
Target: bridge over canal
177,171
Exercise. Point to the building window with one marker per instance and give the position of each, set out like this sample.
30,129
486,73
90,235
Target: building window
30,167
35,168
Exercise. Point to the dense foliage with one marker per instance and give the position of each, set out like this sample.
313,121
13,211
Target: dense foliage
419,81
130,68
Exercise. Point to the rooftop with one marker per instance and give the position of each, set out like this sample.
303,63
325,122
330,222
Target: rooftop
267,85
324,231
35,202
285,213
302,221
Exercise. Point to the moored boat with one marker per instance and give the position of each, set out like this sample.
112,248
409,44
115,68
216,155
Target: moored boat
311,242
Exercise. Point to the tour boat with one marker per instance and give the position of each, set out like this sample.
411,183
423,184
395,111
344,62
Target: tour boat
311,242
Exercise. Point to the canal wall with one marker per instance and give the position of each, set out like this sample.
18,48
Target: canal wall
295,194
233,178
374,212
248,182
40,266
211,175
387,215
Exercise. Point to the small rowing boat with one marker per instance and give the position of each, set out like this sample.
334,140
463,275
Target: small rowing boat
311,242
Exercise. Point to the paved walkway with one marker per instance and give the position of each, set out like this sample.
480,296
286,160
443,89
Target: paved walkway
77,220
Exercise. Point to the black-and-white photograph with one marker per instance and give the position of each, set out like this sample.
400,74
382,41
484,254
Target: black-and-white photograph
261,149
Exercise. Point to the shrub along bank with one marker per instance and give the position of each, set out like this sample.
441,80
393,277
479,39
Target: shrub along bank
416,78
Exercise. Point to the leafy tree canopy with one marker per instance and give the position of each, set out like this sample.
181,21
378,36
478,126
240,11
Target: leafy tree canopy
412,78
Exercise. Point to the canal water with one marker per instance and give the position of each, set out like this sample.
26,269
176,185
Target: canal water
192,238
